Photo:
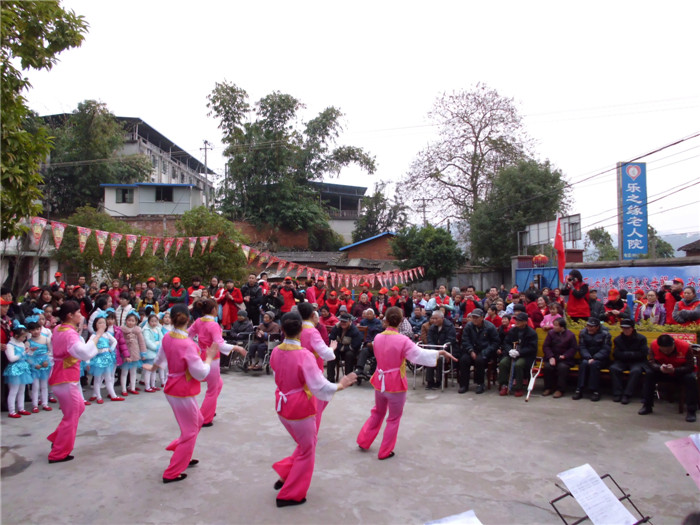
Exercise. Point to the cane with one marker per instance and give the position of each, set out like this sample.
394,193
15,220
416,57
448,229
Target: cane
512,370
535,370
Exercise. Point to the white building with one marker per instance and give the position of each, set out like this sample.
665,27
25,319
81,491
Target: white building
150,198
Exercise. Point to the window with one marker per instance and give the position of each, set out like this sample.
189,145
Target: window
163,166
164,194
125,196
154,161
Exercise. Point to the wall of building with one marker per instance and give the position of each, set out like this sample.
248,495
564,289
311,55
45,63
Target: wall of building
343,227
376,249
274,238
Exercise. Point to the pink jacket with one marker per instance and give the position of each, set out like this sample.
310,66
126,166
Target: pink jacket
391,350
208,332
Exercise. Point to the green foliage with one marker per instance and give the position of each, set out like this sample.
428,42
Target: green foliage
32,33
430,247
602,243
226,260
324,239
524,194
658,248
272,159
379,215
480,132
90,262
87,141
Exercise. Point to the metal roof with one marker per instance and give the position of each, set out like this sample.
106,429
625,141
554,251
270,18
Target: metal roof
136,184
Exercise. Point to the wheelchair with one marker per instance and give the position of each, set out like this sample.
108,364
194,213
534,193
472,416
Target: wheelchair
234,359
272,342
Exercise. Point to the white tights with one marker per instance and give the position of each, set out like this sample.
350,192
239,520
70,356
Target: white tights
109,383
15,399
163,374
149,379
132,382
43,386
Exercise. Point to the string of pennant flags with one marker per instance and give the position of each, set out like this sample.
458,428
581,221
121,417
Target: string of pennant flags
336,279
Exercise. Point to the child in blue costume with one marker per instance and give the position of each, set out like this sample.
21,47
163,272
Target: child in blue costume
104,363
17,374
40,361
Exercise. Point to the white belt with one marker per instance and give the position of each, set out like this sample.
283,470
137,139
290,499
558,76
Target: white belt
283,397
382,373
176,374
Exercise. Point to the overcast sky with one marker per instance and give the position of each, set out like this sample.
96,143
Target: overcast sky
597,82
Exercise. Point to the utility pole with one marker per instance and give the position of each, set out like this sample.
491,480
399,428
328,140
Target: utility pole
207,146
423,208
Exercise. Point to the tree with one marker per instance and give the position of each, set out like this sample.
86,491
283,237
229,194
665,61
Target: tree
379,215
272,159
658,248
602,243
524,194
32,33
430,247
90,262
225,260
84,157
480,133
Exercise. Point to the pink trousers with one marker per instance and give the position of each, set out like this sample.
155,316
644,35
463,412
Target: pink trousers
214,386
71,402
320,407
297,469
394,401
190,420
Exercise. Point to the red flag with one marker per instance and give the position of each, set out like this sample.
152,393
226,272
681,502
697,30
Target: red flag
559,247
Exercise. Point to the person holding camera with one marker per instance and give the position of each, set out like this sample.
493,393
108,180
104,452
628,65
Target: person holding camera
577,307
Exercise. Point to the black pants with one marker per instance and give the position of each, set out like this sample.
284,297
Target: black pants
365,353
430,374
636,370
259,349
347,354
689,380
555,376
466,362
592,372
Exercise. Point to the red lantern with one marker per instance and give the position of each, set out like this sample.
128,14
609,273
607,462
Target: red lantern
540,260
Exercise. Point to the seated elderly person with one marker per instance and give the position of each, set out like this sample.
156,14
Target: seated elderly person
326,318
360,306
480,342
417,320
560,348
242,327
520,347
266,331
441,332
349,341
374,326
594,345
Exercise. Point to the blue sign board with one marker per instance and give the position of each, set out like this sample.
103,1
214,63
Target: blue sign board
633,201
630,278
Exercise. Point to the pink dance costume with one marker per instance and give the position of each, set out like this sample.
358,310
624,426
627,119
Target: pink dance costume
68,350
391,350
208,332
312,340
185,371
298,380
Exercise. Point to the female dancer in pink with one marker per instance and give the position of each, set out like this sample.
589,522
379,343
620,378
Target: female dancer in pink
208,332
312,340
185,371
68,350
298,380
391,350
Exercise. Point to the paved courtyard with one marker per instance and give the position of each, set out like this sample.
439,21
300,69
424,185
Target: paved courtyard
497,456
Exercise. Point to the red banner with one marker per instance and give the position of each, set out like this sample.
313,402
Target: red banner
212,241
192,244
101,237
83,234
156,244
179,241
203,242
57,228
114,240
144,243
130,243
38,225
167,244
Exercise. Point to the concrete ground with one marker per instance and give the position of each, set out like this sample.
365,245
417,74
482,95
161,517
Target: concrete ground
498,456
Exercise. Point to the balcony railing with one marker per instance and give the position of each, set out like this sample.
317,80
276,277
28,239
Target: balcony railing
343,214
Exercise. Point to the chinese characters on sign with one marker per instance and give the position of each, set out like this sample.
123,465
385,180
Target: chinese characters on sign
632,184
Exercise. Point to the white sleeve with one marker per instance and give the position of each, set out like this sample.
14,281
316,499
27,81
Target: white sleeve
225,348
421,356
112,341
82,350
318,384
320,347
10,353
161,361
198,369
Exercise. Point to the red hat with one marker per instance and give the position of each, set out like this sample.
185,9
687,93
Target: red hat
176,280
678,280
365,284
639,291
613,293
34,289
384,291
333,294
514,290
3,302
58,274
151,279
288,278
320,279
395,288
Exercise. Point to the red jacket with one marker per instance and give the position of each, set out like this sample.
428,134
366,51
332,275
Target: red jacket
578,306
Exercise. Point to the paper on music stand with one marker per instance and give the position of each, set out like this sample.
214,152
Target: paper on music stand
596,499
465,518
687,453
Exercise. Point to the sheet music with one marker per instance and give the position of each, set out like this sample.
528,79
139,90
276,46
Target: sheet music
465,518
595,498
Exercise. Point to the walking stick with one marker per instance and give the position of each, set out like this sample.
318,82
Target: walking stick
535,370
512,370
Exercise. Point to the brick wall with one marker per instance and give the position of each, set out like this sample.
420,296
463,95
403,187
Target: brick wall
376,249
